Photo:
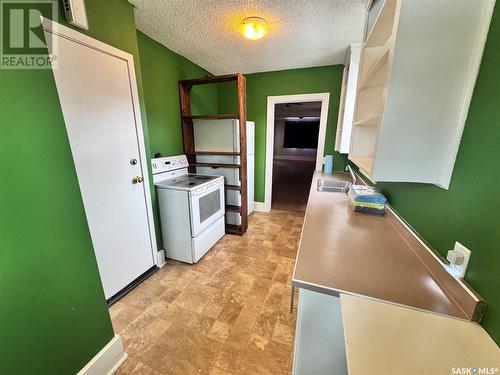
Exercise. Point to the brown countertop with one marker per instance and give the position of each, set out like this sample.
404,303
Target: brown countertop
341,251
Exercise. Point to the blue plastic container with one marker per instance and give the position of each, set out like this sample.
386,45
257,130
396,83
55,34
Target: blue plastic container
329,164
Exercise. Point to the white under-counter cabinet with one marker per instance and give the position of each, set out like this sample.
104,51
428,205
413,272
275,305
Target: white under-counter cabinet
319,337
419,64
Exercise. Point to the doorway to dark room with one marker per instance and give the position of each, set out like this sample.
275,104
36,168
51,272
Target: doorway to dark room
296,131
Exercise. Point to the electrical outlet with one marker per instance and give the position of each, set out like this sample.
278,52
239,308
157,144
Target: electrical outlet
461,251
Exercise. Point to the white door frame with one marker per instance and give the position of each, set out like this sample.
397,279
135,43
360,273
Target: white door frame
65,32
324,98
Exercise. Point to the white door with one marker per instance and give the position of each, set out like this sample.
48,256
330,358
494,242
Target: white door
96,93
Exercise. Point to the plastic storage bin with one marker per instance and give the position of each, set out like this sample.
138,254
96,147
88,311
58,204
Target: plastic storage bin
367,199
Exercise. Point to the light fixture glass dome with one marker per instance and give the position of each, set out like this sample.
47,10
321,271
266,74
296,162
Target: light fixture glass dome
254,27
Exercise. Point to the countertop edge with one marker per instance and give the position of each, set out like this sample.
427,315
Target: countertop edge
464,298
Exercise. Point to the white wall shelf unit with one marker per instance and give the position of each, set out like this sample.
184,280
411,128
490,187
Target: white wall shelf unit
348,99
419,64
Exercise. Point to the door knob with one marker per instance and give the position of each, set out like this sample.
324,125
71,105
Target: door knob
137,179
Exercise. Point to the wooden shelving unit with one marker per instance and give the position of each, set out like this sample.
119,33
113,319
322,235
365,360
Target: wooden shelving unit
214,165
233,208
225,153
213,117
232,187
189,142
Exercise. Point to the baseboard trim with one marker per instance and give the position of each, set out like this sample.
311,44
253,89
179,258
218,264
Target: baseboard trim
261,207
131,286
161,258
108,360
295,157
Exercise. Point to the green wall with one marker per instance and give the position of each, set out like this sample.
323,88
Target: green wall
469,211
53,314
286,82
161,70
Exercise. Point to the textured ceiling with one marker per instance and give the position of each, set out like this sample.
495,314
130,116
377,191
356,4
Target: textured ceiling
303,33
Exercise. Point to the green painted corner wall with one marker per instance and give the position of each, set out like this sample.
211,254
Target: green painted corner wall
53,314
468,211
161,70
285,82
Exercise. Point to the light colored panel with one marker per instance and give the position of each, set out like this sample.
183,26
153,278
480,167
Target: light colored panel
435,47
319,337
350,98
385,339
251,182
177,243
216,135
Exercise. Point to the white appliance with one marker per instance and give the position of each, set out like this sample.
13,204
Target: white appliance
224,135
191,208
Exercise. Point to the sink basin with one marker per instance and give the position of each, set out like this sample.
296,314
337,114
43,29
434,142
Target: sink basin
334,186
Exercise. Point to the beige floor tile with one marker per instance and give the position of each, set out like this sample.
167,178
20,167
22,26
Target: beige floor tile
219,332
218,371
228,314
283,334
229,359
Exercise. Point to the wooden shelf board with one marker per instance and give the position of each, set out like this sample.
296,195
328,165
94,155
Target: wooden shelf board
233,208
232,187
215,165
213,117
363,162
223,153
210,79
234,229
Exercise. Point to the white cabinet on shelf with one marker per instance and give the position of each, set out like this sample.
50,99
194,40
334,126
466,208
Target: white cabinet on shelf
419,64
348,99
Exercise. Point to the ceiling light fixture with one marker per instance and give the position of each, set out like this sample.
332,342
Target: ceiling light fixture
254,27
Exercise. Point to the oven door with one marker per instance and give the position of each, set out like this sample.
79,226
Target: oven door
206,207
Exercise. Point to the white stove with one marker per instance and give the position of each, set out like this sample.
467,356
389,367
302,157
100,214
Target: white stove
191,208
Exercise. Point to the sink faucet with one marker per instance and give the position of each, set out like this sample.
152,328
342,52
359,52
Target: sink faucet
349,169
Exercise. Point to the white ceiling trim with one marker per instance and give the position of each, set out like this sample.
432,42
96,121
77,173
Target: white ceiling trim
303,33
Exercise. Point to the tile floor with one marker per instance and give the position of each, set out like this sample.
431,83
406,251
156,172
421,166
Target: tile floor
228,314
